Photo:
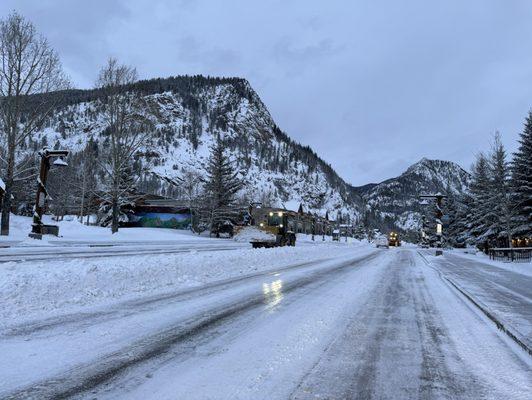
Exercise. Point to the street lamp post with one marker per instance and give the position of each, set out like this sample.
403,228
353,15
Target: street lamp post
37,227
439,214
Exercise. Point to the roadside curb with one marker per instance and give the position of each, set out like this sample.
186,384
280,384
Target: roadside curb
500,325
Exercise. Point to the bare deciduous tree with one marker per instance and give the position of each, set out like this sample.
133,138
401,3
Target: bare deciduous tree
127,126
28,66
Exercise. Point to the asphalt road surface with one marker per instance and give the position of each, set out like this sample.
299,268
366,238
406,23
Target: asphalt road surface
378,325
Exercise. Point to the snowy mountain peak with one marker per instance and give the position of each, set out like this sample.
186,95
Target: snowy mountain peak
395,202
441,173
188,113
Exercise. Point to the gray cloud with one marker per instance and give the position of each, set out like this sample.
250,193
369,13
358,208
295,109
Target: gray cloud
372,86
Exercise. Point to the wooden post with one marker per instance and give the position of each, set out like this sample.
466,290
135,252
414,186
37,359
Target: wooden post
40,198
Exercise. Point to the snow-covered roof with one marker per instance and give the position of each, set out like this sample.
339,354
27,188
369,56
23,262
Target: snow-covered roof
292,205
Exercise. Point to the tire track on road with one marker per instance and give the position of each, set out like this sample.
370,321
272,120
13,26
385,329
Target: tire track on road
394,347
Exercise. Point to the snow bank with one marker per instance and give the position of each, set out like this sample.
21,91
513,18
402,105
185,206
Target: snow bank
30,290
304,238
523,268
249,233
70,229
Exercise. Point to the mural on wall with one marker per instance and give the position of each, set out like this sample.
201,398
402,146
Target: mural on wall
160,220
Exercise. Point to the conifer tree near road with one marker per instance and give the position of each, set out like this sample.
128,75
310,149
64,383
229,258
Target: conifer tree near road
479,189
222,182
500,208
522,181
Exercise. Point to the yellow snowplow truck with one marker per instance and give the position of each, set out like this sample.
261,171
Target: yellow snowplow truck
279,224
393,239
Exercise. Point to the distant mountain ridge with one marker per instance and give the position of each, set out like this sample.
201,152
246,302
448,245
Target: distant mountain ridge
397,199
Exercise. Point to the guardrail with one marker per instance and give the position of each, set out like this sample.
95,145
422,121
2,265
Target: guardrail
511,254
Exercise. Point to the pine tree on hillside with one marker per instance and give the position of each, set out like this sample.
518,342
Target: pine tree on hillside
522,181
222,183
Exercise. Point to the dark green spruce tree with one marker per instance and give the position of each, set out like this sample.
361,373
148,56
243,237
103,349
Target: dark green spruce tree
222,183
522,182
500,210
450,211
477,220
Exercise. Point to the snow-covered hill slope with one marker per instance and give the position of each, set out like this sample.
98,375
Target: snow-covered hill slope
397,199
188,113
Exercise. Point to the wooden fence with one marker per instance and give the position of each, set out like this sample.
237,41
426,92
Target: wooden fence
512,254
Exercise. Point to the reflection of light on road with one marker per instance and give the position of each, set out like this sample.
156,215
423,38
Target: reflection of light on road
273,293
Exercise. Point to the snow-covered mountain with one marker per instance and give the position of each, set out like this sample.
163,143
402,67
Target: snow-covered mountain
188,113
396,199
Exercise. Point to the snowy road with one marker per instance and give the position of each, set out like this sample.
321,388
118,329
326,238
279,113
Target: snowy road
374,324
73,250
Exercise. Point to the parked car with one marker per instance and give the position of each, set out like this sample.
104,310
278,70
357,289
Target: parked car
382,241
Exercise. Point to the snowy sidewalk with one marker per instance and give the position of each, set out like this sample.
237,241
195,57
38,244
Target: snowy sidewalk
504,291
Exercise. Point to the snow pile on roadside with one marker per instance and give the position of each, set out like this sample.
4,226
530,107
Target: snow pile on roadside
70,229
249,233
30,290
523,268
307,238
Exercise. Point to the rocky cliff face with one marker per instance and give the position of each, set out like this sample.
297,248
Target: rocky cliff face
188,113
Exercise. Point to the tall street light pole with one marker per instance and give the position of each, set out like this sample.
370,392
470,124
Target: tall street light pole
37,227
439,214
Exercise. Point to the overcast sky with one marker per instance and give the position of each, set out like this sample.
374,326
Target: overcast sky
371,85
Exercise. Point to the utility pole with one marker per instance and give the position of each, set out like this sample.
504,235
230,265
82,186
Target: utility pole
37,227
439,214
423,230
